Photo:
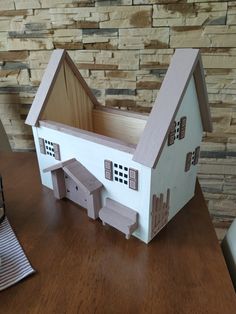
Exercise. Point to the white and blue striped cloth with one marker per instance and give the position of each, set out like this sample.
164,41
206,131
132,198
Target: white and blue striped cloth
14,265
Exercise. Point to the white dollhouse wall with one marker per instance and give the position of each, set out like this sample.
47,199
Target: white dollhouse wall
170,171
92,155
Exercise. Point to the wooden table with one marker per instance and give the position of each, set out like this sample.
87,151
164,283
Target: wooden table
83,267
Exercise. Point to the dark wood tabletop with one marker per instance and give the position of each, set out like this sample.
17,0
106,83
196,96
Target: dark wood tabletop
84,267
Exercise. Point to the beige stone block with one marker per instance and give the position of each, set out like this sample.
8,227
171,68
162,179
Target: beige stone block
177,14
231,20
143,38
57,3
201,19
3,44
215,169
23,77
39,59
169,11
213,147
220,62
95,39
144,96
74,33
207,37
133,16
98,17
188,37
121,75
27,4
56,13
8,77
154,61
36,76
85,73
169,22
13,55
200,1
220,29
29,44
7,5
97,75
4,25
105,83
217,98
17,25
82,56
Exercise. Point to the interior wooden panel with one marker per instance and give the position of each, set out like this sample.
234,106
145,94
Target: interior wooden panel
68,102
122,127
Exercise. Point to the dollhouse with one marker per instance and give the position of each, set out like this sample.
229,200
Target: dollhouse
131,170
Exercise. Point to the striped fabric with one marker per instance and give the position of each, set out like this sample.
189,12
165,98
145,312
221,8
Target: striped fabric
14,265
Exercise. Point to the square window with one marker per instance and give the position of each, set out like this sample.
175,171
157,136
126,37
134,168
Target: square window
116,179
125,182
125,168
125,175
121,174
120,180
115,165
120,167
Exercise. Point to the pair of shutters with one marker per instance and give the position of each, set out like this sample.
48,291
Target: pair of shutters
133,179
177,131
192,158
43,149
133,174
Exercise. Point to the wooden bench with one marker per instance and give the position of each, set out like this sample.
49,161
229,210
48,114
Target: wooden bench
119,216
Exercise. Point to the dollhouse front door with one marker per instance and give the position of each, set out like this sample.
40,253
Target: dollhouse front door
75,193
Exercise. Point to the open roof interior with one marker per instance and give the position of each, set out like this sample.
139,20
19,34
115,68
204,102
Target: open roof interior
64,97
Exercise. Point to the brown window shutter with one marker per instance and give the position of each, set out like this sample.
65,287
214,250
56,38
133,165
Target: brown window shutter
57,154
188,161
171,137
42,146
196,155
108,169
133,179
182,127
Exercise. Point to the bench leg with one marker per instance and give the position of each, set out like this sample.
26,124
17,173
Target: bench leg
103,222
127,236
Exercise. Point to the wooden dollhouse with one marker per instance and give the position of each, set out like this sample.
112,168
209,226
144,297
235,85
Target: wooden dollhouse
133,171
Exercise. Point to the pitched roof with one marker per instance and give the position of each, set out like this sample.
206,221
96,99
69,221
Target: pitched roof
59,165
58,57
184,64
80,175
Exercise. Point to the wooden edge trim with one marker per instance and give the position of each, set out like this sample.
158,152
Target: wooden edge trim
201,90
76,72
80,183
45,86
125,113
150,159
76,180
59,165
89,136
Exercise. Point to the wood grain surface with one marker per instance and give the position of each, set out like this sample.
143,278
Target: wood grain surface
84,267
